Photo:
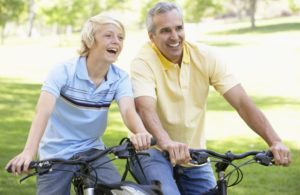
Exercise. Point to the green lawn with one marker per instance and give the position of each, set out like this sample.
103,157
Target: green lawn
266,61
16,109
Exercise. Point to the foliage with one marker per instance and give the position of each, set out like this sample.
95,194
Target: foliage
62,12
9,10
196,9
75,12
293,6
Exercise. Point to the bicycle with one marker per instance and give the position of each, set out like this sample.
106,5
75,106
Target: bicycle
223,161
86,184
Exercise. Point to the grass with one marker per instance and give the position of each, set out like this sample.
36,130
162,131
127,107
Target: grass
262,29
13,128
272,83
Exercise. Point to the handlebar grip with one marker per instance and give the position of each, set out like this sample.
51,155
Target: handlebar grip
31,166
153,142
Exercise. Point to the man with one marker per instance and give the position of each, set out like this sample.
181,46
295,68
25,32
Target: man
171,79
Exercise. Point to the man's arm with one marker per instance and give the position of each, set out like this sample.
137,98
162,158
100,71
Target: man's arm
257,121
146,107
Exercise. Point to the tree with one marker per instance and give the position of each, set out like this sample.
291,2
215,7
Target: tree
74,12
62,12
31,16
294,6
252,11
196,9
10,10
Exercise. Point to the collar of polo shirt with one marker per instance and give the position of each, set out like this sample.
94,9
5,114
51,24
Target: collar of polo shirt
167,63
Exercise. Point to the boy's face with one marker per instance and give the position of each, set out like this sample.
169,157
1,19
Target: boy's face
108,42
169,35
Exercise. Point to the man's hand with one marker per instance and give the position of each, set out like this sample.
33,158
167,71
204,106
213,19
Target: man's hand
178,152
281,153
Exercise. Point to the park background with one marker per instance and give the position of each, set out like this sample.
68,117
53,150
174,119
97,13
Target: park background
259,39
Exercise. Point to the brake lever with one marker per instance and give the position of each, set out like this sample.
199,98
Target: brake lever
37,171
199,158
265,158
27,176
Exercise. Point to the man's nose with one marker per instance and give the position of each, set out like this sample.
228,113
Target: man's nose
174,34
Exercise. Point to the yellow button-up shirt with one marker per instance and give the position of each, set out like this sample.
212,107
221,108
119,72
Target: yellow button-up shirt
180,91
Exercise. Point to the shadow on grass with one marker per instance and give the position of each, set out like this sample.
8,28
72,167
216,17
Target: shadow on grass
217,103
221,44
17,99
261,29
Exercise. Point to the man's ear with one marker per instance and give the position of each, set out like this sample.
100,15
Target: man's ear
150,35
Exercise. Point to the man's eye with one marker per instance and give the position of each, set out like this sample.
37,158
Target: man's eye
165,30
179,28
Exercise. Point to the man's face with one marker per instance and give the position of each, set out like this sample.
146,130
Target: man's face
169,35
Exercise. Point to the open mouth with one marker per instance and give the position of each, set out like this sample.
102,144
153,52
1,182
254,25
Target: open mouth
112,50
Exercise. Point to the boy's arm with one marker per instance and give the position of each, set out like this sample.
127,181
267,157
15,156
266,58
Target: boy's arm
141,138
44,109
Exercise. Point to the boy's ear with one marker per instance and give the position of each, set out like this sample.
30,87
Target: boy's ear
91,42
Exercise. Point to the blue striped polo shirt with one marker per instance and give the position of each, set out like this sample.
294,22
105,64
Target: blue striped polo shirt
79,118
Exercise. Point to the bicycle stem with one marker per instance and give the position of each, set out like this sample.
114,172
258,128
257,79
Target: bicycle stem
222,183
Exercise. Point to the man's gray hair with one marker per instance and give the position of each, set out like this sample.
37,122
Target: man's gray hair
159,8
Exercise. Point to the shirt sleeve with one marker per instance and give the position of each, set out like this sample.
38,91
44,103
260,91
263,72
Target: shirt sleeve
220,76
124,88
143,79
55,80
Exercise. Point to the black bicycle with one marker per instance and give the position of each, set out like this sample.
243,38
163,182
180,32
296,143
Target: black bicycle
86,184
223,161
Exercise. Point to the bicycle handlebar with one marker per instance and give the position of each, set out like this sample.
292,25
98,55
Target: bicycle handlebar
200,156
122,151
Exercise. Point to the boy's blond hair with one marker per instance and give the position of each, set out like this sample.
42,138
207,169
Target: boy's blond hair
89,30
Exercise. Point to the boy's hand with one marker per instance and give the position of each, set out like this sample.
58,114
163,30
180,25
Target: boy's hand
141,141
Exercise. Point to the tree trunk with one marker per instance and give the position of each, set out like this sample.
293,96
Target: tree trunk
252,12
2,33
31,17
